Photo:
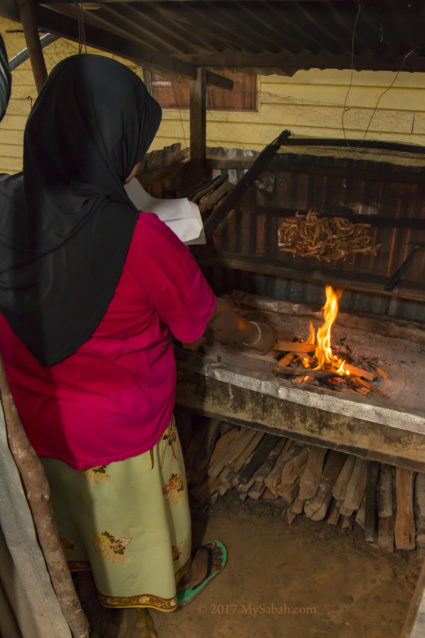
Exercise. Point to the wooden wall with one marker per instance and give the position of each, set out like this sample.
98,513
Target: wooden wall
311,103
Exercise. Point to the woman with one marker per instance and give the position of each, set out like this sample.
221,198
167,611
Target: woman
90,290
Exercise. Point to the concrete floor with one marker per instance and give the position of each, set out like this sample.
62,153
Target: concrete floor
305,580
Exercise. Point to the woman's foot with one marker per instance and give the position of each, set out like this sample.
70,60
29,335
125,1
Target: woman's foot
208,561
199,567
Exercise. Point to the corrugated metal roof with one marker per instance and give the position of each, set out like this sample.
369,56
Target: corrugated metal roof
273,35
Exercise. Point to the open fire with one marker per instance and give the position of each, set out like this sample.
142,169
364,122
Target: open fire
326,359
327,364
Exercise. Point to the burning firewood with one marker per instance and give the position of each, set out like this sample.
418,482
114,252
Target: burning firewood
328,239
319,361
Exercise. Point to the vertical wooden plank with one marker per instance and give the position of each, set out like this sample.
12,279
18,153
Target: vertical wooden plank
405,531
371,494
198,117
29,24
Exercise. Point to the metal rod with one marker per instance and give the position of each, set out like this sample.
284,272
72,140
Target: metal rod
234,196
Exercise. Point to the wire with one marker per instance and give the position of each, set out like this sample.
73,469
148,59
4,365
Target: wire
81,28
353,37
386,91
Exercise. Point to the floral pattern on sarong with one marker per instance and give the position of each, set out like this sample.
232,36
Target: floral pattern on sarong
168,441
111,547
97,474
67,544
173,490
176,551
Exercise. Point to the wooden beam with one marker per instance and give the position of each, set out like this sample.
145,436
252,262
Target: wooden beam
198,117
133,50
27,10
249,264
128,48
288,63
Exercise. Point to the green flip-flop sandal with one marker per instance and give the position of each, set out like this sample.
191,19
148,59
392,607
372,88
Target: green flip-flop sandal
187,595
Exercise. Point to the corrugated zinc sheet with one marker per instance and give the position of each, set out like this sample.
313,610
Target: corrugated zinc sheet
277,34
391,196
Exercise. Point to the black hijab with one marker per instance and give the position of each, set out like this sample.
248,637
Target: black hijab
66,223
5,79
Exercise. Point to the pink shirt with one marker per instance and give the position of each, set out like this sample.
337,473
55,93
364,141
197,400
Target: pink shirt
114,397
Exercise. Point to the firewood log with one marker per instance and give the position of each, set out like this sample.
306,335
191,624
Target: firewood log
268,465
291,516
361,513
291,452
202,493
269,496
231,451
385,491
257,490
356,488
405,531
386,534
312,473
264,469
420,510
288,491
247,451
297,506
317,507
222,444
259,457
212,430
347,522
340,487
293,468
334,514
370,501
273,478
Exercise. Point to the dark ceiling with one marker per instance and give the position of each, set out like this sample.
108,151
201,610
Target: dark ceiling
274,36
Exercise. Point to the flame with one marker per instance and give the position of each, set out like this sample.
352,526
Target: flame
326,359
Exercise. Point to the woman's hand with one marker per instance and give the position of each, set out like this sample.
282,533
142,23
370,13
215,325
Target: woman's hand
230,328
264,339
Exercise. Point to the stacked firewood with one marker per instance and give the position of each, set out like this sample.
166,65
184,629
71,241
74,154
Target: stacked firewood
211,192
387,502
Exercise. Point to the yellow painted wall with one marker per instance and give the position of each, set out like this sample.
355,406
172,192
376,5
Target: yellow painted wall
24,92
311,103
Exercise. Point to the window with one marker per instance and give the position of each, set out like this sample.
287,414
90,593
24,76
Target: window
175,93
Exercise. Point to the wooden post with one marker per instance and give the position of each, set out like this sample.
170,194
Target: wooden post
29,24
198,117
38,494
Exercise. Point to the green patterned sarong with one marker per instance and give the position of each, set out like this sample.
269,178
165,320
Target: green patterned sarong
129,522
